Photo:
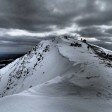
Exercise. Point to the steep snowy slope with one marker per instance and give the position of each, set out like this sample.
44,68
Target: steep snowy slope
43,63
81,82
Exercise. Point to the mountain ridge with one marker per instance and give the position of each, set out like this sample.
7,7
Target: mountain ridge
66,76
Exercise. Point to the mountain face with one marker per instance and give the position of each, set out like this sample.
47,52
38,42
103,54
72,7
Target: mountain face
67,75
41,64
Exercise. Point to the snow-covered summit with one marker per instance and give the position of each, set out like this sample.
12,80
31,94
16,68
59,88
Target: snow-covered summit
67,75
41,64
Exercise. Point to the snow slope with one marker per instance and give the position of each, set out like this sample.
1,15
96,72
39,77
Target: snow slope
43,63
75,80
56,95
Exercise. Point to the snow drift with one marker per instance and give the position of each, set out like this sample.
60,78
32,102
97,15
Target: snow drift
67,78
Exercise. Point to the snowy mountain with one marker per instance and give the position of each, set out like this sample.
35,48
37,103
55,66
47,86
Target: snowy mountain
41,64
68,77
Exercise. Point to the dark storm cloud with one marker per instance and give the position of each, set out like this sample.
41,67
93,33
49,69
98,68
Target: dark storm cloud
49,15
103,18
97,12
7,42
109,31
38,15
31,15
92,32
23,14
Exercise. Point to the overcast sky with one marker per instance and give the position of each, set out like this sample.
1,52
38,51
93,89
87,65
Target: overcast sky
22,22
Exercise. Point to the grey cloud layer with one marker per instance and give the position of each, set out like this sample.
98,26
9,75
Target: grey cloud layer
38,15
41,15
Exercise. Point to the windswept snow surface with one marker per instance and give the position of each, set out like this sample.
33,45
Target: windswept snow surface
43,63
66,78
